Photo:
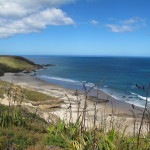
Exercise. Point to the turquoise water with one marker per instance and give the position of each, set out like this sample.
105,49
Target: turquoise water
117,76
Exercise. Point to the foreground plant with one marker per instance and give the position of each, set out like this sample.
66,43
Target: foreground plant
70,136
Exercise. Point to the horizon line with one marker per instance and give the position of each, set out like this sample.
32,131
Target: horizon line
69,55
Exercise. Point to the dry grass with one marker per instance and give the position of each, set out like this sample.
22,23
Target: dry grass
29,94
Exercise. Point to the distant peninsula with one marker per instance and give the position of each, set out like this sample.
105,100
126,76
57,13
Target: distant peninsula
15,64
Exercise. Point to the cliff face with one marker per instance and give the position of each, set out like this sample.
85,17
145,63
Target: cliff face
15,64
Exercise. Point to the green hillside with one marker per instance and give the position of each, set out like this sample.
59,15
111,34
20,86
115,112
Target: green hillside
15,64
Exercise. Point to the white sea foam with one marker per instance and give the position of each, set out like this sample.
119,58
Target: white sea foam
136,104
80,83
60,79
142,97
133,93
89,84
111,94
68,80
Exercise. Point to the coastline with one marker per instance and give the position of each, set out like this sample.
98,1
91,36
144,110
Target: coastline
118,109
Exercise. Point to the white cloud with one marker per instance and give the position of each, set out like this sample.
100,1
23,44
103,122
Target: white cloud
126,25
129,21
94,22
119,28
26,16
20,8
133,20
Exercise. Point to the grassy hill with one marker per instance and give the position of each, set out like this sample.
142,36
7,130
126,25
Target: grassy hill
15,64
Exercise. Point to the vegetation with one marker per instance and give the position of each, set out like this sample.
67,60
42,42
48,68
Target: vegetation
71,136
37,96
20,129
28,94
14,64
77,136
4,87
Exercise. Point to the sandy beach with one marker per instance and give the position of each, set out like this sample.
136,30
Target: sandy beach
112,113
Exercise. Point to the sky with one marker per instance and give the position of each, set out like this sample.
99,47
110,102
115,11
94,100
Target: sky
75,27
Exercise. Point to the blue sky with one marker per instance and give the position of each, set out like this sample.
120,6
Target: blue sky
75,27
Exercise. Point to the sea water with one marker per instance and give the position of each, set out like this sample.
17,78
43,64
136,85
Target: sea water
116,76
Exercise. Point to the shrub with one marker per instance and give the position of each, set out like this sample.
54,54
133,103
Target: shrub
55,140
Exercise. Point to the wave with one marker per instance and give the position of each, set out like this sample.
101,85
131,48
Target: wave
142,97
136,104
105,89
60,79
68,80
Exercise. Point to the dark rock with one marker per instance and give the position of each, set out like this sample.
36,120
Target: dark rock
27,71
98,100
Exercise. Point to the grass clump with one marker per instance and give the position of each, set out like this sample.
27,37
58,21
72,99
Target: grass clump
55,140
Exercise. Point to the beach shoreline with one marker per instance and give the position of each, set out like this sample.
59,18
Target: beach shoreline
116,108
30,80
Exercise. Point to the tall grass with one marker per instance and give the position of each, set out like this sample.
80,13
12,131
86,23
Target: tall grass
11,118
71,137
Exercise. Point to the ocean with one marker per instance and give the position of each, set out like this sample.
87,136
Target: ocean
116,76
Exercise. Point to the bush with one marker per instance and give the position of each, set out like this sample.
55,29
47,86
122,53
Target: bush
55,140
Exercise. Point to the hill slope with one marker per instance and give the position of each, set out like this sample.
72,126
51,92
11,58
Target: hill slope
15,64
